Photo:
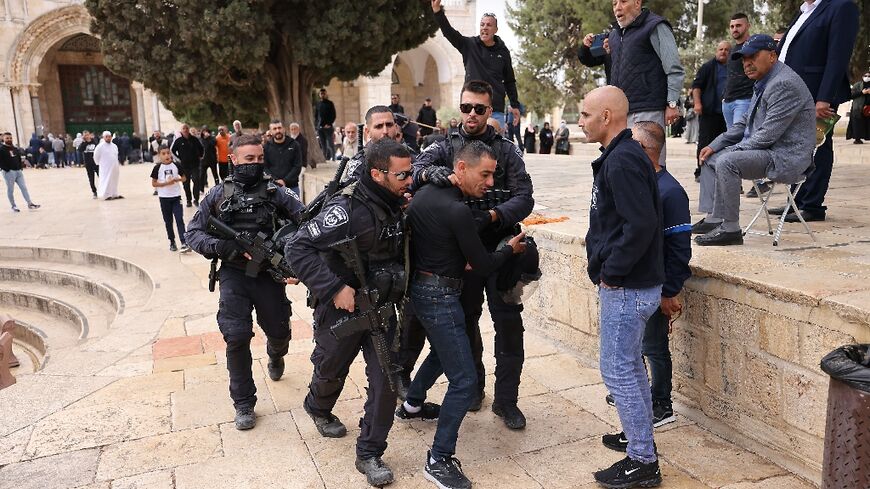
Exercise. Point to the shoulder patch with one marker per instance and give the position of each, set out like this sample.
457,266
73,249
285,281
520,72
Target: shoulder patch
291,193
313,229
336,216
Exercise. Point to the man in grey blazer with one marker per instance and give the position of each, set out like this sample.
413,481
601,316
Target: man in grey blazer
775,139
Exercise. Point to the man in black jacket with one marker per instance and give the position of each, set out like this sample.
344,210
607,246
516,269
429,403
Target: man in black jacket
624,253
395,106
487,58
12,169
428,116
302,141
209,158
707,92
283,158
188,150
325,115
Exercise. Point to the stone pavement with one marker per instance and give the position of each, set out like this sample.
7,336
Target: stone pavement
138,398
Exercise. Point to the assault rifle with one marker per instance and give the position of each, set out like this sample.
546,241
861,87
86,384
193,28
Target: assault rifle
368,315
260,248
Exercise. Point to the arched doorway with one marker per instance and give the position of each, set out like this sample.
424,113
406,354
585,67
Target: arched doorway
58,83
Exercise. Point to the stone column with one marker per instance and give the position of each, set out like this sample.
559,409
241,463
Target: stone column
156,107
7,109
23,111
33,91
138,93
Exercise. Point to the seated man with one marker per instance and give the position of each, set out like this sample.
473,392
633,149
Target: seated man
775,139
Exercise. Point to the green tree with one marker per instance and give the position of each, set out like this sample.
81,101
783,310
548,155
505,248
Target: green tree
551,31
214,61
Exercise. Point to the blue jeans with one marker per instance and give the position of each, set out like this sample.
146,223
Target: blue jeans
733,111
623,317
440,312
499,116
170,207
658,355
12,177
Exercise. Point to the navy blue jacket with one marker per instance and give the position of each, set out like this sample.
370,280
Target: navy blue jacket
820,51
624,241
707,81
677,247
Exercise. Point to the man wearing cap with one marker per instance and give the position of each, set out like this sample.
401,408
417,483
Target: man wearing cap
775,139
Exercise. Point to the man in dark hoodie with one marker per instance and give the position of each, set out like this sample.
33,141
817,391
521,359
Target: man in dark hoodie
624,253
487,58
283,157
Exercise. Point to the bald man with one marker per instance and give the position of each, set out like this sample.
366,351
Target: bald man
624,253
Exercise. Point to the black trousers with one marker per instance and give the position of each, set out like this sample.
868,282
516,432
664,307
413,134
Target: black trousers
223,170
239,295
332,359
192,172
203,174
811,197
508,323
327,141
709,127
92,170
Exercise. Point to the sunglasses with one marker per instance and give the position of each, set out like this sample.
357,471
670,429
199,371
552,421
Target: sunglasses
479,109
400,176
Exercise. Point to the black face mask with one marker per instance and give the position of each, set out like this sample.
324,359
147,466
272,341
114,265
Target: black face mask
248,175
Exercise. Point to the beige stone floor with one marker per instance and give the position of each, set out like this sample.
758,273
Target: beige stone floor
152,409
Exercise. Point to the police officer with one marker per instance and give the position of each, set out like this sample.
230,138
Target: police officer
246,202
379,124
497,214
368,211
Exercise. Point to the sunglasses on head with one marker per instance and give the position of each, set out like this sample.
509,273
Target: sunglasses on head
402,175
479,109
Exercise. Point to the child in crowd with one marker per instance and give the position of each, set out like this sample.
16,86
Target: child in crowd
166,177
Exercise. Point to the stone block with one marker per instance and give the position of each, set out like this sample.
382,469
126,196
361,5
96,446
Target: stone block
560,371
289,467
71,469
180,363
805,397
172,328
99,424
737,321
760,385
176,347
780,482
567,466
711,459
147,387
273,432
159,453
590,398
779,336
12,445
213,342
301,329
817,341
152,480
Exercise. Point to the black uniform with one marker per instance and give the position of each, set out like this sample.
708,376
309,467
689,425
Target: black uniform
188,151
513,202
373,215
255,210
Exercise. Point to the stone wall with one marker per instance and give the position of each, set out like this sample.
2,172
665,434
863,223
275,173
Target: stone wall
746,355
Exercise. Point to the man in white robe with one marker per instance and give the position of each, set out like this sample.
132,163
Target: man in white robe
106,156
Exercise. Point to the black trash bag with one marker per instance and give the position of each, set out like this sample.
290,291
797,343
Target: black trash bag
849,364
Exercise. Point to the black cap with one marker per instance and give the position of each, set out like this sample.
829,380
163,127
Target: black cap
755,44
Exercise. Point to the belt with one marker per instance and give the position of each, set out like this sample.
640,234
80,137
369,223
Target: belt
429,278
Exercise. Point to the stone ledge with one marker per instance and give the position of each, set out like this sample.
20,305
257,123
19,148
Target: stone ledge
100,291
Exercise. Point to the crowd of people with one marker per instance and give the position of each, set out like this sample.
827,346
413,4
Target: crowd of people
463,189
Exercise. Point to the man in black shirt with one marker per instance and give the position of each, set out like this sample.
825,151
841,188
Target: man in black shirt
283,157
188,150
441,247
707,93
428,116
487,58
87,150
11,167
325,115
209,158
738,88
395,106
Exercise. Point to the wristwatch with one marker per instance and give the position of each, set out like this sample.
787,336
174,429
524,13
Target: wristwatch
672,104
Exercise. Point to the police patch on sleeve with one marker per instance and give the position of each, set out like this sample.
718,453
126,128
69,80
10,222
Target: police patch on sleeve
313,229
291,193
335,217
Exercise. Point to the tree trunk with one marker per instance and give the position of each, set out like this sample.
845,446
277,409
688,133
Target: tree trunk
288,87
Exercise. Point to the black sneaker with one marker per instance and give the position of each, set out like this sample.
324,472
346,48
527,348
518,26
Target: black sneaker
609,400
513,417
189,204
377,473
629,473
328,426
172,247
446,473
663,414
429,412
245,419
33,206
616,441
275,368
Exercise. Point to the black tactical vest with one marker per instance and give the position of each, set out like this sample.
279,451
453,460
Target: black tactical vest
248,210
635,67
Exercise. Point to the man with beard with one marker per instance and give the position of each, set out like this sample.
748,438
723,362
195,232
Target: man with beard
283,158
509,201
188,150
369,213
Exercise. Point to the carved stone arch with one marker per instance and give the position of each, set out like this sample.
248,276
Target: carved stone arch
32,44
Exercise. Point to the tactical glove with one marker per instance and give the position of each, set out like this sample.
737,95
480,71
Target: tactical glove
438,176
